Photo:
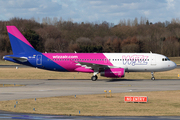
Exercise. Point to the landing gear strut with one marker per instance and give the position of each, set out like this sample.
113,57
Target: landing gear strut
152,74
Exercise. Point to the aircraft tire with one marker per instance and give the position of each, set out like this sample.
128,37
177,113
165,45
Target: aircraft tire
94,78
153,78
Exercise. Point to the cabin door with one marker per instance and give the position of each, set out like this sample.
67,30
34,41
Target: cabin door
153,60
39,60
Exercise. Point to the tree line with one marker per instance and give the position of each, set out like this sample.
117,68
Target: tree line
58,35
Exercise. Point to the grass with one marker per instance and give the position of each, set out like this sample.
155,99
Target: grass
33,73
161,103
10,85
3,62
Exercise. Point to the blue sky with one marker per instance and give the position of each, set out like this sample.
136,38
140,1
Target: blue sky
91,10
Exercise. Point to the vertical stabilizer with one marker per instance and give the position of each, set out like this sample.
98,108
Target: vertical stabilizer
19,43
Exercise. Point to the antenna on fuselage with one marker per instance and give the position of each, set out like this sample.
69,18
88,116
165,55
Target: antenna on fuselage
75,52
150,52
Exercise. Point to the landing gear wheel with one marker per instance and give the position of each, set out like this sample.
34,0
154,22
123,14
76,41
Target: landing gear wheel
94,78
153,78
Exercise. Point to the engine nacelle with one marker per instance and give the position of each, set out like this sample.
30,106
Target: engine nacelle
114,72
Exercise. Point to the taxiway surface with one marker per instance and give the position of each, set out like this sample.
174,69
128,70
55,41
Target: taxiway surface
59,87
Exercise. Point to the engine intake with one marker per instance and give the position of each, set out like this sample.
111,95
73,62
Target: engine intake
114,73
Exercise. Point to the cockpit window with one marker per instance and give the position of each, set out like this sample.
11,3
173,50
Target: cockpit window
165,59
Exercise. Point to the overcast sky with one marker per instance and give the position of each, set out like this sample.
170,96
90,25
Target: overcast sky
91,10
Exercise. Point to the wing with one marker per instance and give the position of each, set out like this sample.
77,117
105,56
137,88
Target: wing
95,67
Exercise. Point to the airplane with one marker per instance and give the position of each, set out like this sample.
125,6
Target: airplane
112,65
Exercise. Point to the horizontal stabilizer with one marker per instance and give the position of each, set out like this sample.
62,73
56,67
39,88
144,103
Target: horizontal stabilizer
21,59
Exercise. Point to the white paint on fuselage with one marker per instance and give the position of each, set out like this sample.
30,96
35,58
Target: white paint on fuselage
140,62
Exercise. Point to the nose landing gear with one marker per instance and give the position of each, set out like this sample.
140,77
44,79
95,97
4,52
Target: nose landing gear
152,74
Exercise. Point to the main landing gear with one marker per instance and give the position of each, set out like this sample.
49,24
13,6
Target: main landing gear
152,74
94,77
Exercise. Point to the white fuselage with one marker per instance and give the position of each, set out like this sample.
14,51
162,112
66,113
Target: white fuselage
140,62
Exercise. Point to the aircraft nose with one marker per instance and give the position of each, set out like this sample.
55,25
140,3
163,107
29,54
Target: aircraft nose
173,65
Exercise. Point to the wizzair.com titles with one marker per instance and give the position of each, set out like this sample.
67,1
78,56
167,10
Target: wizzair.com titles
64,56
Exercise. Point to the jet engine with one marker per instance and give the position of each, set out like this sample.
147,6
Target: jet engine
114,73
